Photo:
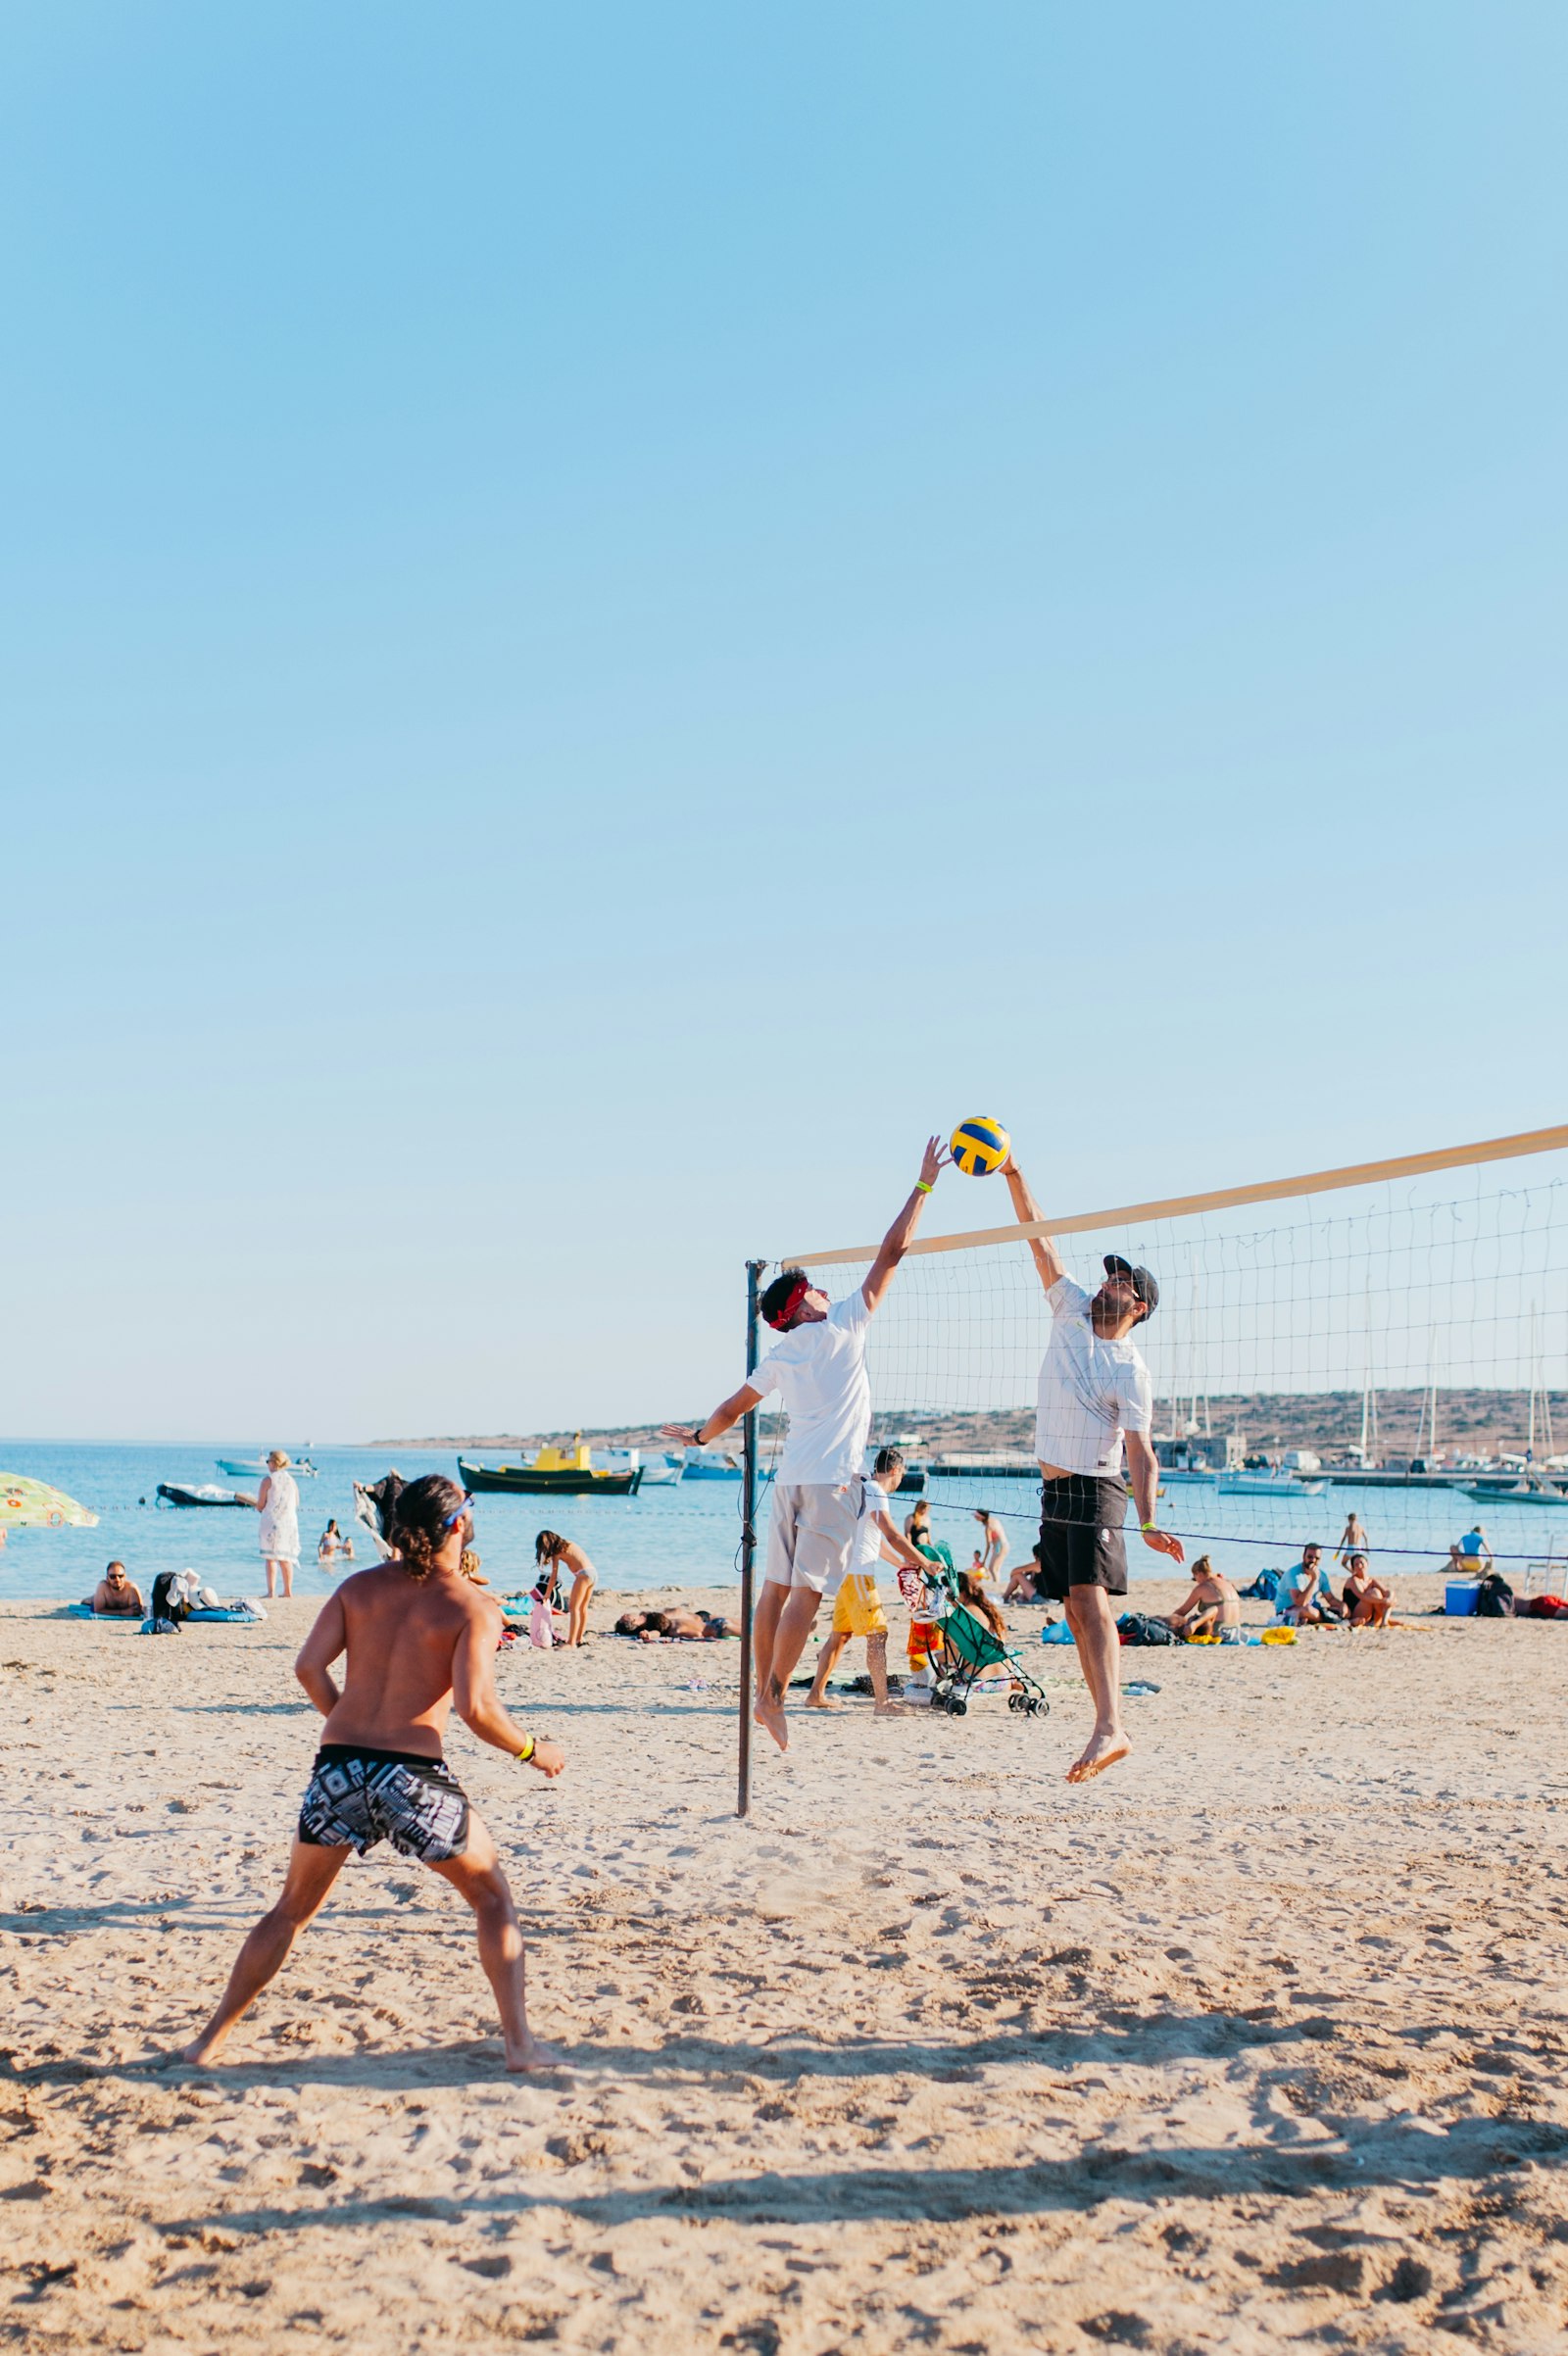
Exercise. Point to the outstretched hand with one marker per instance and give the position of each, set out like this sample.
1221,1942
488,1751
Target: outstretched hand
934,1161
1164,1543
685,1432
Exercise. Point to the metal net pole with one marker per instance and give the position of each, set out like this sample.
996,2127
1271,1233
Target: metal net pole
753,1270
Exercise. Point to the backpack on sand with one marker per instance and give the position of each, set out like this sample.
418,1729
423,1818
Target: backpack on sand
1494,1599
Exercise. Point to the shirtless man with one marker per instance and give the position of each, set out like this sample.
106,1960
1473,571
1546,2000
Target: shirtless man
1094,1402
115,1594
1211,1608
418,1635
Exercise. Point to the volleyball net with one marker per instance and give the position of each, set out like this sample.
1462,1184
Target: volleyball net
1389,1341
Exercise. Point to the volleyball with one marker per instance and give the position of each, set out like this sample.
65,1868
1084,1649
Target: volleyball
980,1145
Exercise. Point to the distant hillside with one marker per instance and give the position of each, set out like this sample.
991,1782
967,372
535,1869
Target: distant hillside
1475,1422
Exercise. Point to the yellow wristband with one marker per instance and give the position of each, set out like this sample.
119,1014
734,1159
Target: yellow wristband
920,1187
526,1752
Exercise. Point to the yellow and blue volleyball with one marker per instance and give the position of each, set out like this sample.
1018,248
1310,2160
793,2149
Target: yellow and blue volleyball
980,1145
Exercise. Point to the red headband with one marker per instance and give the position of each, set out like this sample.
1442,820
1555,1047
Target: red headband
792,1301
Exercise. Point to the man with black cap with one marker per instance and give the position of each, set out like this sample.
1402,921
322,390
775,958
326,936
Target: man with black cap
1094,1398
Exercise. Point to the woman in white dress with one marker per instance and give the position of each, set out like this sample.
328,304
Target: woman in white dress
277,1502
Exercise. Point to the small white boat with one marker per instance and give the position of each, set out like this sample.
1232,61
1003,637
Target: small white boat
1268,1485
1187,1472
238,1466
1524,1493
710,1465
661,1472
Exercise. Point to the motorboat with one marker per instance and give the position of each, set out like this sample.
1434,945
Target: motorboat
554,1472
664,1472
238,1466
1523,1492
1272,1483
710,1464
182,1493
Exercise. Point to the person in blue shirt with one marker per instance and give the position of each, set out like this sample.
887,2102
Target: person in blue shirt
1471,1555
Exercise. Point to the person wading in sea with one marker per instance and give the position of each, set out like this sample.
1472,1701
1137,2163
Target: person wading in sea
418,1637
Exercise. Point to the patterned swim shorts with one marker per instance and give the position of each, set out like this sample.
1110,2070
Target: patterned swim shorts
358,1797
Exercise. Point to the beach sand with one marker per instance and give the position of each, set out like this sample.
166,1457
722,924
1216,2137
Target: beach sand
1258,2039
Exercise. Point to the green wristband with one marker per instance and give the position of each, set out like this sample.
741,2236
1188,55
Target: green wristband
920,1187
1146,1525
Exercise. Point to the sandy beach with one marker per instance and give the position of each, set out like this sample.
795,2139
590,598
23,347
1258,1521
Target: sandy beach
1259,2039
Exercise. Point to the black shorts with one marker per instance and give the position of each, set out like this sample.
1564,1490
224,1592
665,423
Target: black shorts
358,1797
1081,1544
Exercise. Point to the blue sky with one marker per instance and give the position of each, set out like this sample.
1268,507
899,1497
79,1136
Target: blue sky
607,616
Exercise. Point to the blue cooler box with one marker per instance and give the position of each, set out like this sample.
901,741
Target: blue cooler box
1459,1598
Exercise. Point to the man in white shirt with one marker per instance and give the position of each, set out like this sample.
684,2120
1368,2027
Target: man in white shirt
818,1370
1094,1397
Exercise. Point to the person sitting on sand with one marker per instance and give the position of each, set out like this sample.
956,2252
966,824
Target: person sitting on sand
115,1596
858,1607
1470,1555
1367,1600
1023,1580
469,1568
1304,1598
1212,1607
418,1637
550,1548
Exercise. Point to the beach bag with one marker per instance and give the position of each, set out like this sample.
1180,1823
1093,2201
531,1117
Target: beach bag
1494,1599
1141,1628
541,1625
1265,1588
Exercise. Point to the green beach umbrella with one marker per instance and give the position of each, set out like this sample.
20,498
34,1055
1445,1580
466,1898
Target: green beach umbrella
33,1505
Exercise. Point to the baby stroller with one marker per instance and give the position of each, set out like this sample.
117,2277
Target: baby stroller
968,1650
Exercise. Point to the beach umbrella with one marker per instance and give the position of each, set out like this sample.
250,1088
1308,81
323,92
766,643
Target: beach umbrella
33,1505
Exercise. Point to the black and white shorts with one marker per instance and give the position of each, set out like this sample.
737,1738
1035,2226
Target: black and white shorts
358,1797
1081,1544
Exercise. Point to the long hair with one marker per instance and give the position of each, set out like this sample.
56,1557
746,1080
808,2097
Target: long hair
549,1547
423,1521
975,1597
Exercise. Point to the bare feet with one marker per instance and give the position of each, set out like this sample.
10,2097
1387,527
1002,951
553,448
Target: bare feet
1098,1752
204,2050
771,1714
891,1709
535,2056
820,1701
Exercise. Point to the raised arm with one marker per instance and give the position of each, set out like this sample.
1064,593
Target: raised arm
896,1243
322,1648
1047,1260
479,1706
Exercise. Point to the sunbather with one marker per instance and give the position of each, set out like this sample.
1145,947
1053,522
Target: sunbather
1211,1607
115,1596
676,1625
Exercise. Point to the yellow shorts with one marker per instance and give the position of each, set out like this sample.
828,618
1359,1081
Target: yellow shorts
858,1608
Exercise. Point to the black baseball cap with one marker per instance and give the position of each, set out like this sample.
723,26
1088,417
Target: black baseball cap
1143,1283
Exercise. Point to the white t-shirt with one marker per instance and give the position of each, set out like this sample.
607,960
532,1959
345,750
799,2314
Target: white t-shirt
1091,1390
865,1553
819,1372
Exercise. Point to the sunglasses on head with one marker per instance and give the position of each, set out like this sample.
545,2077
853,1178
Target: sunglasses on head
452,1518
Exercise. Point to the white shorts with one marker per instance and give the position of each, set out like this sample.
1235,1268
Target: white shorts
812,1534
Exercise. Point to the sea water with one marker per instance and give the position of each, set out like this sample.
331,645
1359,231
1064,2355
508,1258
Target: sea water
684,1537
